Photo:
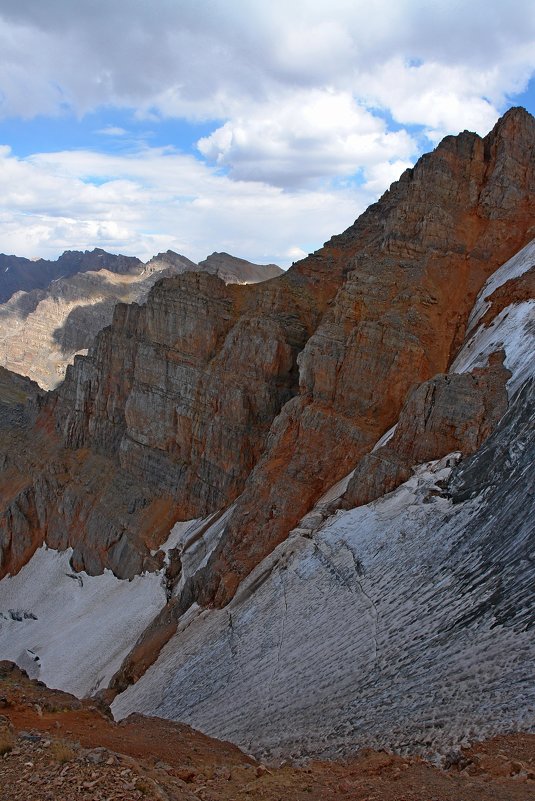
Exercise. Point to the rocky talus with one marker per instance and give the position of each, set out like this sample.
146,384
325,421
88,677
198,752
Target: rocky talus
54,747
266,394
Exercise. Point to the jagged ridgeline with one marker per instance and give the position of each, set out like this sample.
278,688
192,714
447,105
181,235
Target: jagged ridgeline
20,274
258,411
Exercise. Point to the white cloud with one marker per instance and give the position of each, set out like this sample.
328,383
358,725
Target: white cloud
158,199
302,137
298,94
295,253
112,130
380,176
203,59
442,98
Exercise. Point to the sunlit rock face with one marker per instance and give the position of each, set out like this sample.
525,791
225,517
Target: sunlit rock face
447,413
352,443
234,270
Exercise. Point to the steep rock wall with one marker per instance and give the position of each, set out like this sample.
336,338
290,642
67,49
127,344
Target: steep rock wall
396,321
447,413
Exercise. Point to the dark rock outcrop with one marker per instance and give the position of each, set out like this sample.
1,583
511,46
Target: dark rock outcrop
20,400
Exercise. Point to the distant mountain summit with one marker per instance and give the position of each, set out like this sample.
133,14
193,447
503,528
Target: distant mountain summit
18,273
231,269
223,264
170,259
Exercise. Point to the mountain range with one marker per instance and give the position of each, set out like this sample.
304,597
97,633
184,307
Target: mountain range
299,515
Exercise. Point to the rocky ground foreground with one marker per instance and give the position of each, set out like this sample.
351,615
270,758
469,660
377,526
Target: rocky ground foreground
54,747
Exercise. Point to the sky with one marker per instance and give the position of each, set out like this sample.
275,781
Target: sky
253,127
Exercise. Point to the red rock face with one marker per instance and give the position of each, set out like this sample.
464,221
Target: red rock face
271,392
516,290
183,390
418,259
445,414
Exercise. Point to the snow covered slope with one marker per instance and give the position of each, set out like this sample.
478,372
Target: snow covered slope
72,630
69,629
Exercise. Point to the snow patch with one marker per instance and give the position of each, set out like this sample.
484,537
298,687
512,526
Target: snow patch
387,436
519,264
335,492
513,329
72,630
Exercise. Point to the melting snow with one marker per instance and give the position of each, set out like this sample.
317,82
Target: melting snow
521,262
72,630
195,541
387,436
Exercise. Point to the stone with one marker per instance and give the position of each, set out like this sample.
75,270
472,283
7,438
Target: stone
41,330
452,412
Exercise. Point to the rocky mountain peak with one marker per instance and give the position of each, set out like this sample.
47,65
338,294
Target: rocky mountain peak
224,264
